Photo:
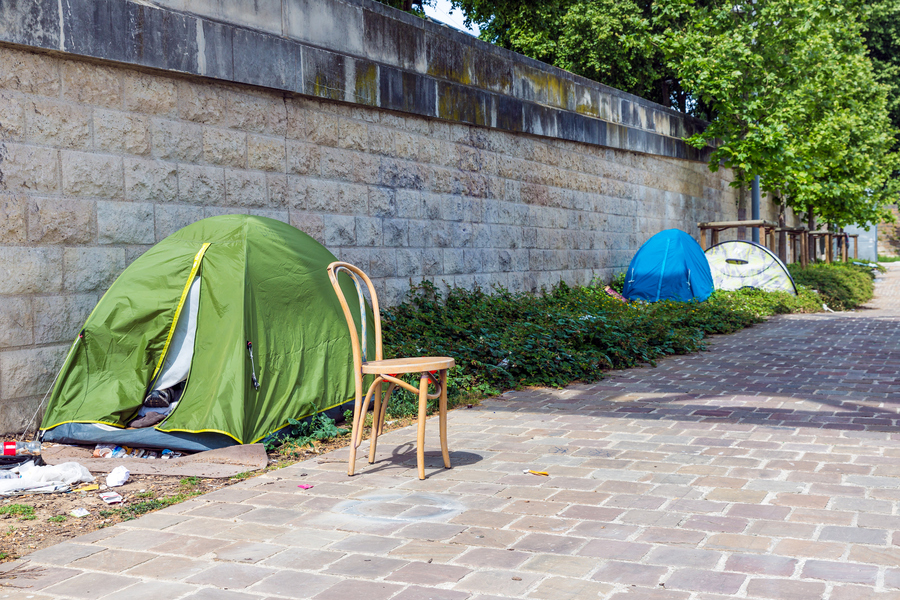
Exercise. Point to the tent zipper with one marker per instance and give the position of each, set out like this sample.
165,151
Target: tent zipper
187,287
252,366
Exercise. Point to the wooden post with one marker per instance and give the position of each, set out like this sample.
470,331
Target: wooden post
703,238
845,243
829,249
804,249
715,236
855,246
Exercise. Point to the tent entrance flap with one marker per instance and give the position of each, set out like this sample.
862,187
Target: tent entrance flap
177,362
178,310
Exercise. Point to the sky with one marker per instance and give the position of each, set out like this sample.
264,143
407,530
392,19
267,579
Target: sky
442,14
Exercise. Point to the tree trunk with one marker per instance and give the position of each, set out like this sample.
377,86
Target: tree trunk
811,225
782,236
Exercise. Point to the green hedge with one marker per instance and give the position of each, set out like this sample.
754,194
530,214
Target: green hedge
841,286
506,340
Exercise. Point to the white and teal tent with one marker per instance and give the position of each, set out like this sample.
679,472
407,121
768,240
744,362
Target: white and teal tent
737,264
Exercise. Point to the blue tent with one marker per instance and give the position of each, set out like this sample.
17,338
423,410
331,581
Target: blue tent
669,266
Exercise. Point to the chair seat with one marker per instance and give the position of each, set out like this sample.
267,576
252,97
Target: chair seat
407,365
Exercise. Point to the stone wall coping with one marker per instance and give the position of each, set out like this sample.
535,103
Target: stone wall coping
355,51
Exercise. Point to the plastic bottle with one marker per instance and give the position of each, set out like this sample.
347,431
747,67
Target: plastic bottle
21,448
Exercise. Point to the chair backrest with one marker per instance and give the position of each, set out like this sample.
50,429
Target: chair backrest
360,350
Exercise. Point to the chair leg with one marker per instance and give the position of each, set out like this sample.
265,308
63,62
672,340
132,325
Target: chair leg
420,438
376,413
442,407
354,431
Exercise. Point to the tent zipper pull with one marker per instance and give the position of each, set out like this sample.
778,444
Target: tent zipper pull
252,366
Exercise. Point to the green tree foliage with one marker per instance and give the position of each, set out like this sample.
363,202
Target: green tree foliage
883,40
794,97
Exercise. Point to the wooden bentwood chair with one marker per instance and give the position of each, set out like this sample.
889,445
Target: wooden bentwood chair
386,371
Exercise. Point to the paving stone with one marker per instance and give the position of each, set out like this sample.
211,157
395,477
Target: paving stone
420,573
349,588
246,552
302,558
491,558
696,580
505,583
62,554
295,584
168,567
189,545
91,585
782,589
231,576
361,565
854,535
426,550
776,566
424,593
151,590
542,542
565,587
112,561
138,539
839,572
614,549
629,573
34,581
216,594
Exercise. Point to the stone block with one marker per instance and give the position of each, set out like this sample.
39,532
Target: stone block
61,221
266,153
12,115
368,231
277,190
322,195
341,27
309,223
358,257
29,72
125,223
91,269
122,132
150,180
382,262
30,270
409,263
217,211
176,140
322,129
297,191
89,83
170,218
396,232
29,168
245,188
16,323
29,371
267,60
92,175
432,261
13,209
202,103
382,202
53,123
149,94
257,113
58,319
302,158
278,215
225,147
201,185
339,230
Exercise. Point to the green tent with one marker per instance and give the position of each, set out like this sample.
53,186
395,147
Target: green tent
226,282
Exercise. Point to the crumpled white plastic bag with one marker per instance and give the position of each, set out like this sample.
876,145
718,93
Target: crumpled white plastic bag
47,479
118,476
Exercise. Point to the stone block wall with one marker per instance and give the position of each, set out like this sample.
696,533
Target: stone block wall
99,160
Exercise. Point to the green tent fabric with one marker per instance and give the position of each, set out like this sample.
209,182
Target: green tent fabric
261,281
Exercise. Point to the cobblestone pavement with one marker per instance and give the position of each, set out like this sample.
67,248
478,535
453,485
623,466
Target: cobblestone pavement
766,468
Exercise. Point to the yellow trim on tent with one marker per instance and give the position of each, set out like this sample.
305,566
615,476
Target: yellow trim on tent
187,287
116,425
261,437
